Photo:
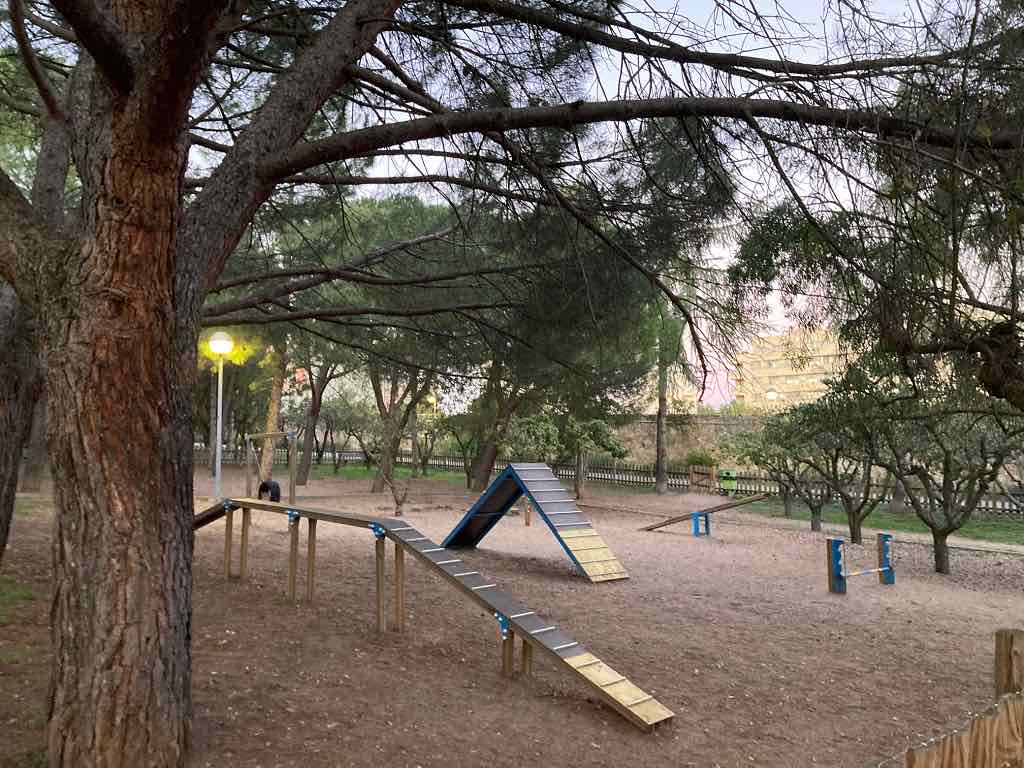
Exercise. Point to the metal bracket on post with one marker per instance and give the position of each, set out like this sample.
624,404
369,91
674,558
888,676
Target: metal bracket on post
293,518
503,624
378,530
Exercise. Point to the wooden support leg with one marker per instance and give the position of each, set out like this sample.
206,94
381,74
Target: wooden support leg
399,619
526,662
243,555
310,560
229,519
526,514
380,587
508,654
293,557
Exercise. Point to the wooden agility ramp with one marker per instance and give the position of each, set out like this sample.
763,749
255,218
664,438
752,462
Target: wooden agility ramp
581,542
515,619
708,511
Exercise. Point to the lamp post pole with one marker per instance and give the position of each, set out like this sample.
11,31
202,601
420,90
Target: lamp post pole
220,425
220,344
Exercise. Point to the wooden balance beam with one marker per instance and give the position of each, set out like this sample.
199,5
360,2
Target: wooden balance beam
514,619
708,511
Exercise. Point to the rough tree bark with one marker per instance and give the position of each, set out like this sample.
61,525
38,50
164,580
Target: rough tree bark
19,390
940,549
317,386
280,369
22,381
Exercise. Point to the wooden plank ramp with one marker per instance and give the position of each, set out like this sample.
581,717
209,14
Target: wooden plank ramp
612,688
640,708
709,510
588,551
206,511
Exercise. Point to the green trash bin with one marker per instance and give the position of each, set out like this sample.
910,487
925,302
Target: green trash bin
727,481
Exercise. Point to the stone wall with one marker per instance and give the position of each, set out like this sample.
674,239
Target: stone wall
686,433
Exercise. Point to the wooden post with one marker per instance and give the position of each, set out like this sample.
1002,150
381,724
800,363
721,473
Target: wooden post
379,546
527,658
527,510
248,467
291,469
310,559
293,556
508,654
243,555
399,588
229,519
1009,662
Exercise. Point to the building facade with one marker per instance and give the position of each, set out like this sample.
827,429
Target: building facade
786,369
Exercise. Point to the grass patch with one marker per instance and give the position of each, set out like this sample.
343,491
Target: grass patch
360,472
994,531
12,593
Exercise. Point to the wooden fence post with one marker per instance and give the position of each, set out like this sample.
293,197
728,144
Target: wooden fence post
527,658
229,520
508,653
381,600
293,555
243,555
399,588
310,559
1009,661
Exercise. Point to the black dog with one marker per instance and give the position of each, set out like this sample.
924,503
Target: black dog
271,488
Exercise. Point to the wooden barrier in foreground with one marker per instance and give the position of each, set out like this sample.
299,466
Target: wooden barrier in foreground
993,738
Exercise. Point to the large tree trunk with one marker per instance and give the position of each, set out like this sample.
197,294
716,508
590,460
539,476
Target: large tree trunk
414,446
20,385
390,444
36,468
856,526
941,551
580,475
273,411
815,518
787,502
898,502
309,440
483,465
117,377
661,436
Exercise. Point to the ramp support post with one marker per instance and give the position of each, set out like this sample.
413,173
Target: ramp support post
399,588
310,559
526,661
293,552
229,519
243,555
508,645
527,511
379,551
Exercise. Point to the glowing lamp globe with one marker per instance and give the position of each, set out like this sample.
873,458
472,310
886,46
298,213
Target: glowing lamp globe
221,343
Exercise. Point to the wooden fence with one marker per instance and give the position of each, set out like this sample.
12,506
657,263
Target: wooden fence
991,739
704,479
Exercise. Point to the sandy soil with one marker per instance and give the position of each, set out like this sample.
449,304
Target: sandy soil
737,634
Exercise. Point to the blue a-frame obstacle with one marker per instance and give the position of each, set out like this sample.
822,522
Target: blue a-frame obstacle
557,509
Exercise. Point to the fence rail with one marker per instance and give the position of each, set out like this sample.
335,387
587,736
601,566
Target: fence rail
707,479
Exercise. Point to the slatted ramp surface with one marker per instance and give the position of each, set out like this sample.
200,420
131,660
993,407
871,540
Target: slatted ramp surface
584,545
206,511
640,708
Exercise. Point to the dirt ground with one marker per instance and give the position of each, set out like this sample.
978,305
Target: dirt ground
736,634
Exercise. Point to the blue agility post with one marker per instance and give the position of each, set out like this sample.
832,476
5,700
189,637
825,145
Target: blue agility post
836,566
886,573
837,573
698,518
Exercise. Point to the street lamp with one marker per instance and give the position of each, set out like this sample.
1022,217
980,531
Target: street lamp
220,344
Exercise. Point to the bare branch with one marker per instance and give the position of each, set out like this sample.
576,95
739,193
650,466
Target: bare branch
35,71
98,34
566,116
